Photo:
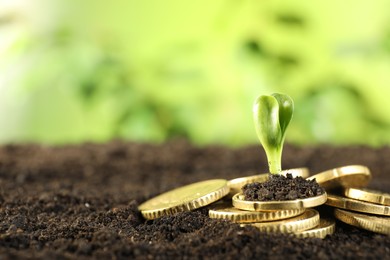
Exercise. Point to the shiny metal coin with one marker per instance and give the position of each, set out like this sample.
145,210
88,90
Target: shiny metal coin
368,196
326,227
225,210
357,205
352,176
185,198
239,202
372,223
308,220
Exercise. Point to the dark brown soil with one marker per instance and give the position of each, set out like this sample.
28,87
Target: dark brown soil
80,202
279,187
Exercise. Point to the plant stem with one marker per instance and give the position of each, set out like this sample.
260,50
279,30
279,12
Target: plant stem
275,161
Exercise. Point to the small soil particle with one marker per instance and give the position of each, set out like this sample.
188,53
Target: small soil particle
280,187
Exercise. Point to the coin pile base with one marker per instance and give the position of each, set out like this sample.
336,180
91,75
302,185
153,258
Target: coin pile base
302,222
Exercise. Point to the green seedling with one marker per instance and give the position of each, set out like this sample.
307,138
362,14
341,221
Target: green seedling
272,114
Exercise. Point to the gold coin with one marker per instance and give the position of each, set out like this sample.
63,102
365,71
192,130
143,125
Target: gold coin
326,227
240,203
309,219
225,210
352,176
357,205
368,196
185,198
371,223
236,184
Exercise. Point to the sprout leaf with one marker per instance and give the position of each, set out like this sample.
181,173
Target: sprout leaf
272,114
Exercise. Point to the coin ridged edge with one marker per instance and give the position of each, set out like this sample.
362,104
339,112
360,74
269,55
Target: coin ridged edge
290,225
361,222
357,205
188,206
278,205
320,231
368,196
255,216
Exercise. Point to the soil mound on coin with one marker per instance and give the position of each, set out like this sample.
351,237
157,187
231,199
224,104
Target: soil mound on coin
280,187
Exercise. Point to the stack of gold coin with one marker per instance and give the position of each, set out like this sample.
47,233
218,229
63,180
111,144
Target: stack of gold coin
293,216
306,223
366,209
351,180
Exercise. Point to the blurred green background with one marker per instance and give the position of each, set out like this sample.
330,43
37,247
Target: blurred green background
73,71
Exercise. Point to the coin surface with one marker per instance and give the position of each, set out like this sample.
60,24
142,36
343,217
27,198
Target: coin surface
308,220
368,196
372,223
185,198
357,205
239,202
225,210
236,184
326,227
352,176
